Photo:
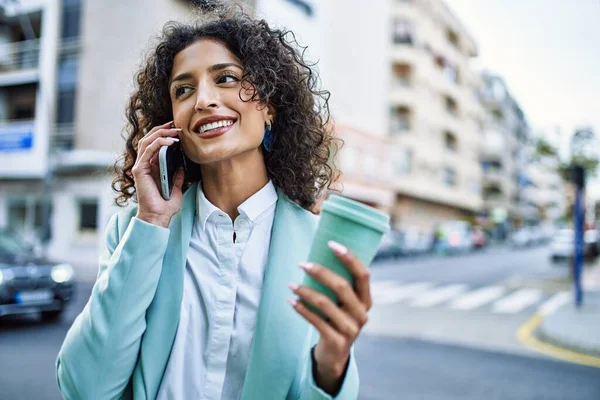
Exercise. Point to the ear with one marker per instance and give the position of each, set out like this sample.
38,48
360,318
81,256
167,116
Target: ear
269,113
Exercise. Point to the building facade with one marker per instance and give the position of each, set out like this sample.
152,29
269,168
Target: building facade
506,153
434,126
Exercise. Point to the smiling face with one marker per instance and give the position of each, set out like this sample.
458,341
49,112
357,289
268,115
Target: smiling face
205,89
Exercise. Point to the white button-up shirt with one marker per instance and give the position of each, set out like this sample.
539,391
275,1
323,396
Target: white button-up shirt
221,293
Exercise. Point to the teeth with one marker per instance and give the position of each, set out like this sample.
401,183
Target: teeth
215,125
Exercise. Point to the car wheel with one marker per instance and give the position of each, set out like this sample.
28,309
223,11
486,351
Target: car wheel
51,316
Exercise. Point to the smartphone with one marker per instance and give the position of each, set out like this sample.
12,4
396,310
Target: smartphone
170,160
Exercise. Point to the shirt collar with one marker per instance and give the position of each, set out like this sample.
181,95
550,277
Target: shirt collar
252,208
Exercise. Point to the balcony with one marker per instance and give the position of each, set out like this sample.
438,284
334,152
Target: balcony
19,62
16,135
63,137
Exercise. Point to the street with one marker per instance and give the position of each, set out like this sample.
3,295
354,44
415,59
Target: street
441,328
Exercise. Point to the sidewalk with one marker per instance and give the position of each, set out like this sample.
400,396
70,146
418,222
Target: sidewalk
576,330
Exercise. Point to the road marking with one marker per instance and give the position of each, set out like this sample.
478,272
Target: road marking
518,301
525,334
555,302
477,298
399,293
438,295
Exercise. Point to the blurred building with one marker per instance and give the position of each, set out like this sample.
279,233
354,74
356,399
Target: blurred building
403,99
505,155
435,117
66,71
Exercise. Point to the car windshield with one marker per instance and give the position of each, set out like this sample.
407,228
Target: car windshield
11,244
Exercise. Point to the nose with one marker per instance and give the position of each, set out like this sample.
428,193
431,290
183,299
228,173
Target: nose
207,97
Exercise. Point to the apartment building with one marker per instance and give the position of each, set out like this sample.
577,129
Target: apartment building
435,121
506,153
66,70
65,82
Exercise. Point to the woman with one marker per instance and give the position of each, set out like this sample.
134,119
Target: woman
190,300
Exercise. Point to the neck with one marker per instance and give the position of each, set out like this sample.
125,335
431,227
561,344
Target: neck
227,184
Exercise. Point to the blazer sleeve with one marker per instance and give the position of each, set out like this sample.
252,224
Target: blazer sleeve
99,353
308,387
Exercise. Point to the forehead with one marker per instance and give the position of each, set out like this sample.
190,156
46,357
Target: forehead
202,54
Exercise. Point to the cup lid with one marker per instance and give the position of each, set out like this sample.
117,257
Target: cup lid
357,211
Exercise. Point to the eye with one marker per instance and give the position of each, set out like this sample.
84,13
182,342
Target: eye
227,77
181,90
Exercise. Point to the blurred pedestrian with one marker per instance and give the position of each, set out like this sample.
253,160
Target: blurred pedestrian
190,299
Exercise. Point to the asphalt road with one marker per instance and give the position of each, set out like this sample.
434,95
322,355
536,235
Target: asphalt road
429,353
481,267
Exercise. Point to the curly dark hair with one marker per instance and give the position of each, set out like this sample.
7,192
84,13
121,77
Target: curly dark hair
300,161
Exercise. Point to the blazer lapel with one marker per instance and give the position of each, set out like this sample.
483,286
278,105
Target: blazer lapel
163,314
280,331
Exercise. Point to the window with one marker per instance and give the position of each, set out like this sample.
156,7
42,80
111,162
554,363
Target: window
403,159
67,88
402,31
449,70
453,38
400,120
450,141
450,105
88,215
71,17
402,75
449,177
26,214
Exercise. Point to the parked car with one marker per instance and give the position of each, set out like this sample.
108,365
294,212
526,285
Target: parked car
562,246
521,238
452,237
415,242
392,246
31,284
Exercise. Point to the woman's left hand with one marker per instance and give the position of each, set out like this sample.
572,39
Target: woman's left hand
332,352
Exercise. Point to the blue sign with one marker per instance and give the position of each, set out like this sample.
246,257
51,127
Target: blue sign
16,140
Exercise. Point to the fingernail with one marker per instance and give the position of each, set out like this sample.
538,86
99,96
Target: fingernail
293,286
337,248
292,302
306,266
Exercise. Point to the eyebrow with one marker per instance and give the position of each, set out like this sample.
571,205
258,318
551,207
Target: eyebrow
186,75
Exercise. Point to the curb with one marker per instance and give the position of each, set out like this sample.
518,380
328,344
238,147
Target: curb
528,336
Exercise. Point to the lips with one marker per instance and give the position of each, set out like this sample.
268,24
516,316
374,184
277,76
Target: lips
216,122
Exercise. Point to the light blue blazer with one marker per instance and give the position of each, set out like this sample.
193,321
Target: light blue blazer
118,347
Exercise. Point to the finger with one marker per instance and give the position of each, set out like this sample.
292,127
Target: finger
325,330
341,287
342,321
152,149
151,137
166,125
358,270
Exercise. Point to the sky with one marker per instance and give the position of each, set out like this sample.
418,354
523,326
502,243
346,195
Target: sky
548,51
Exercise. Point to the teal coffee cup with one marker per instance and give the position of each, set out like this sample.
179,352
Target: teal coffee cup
353,224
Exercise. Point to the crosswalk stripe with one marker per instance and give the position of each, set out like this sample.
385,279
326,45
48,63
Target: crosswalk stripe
438,295
399,293
477,298
517,301
555,302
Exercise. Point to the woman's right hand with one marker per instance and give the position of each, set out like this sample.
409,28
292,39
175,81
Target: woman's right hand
146,175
